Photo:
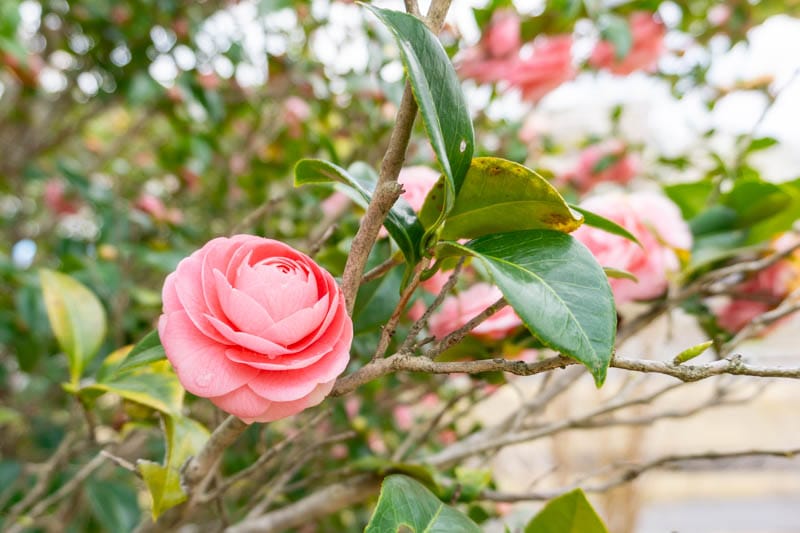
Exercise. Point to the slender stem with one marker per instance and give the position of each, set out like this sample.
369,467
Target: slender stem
197,468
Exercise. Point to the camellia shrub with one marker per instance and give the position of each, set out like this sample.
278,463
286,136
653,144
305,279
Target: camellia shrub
267,286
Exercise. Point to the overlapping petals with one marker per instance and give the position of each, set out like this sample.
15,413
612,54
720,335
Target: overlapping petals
255,326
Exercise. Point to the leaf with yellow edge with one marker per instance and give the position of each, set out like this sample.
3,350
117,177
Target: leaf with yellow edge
185,437
77,319
499,196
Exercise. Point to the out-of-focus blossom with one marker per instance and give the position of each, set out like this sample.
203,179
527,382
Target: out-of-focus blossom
296,112
548,66
648,44
605,162
497,52
417,181
459,309
761,292
335,204
153,206
56,199
658,225
502,38
403,417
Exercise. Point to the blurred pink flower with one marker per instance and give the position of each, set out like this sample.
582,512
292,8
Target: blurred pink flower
658,225
549,66
296,112
153,206
648,44
417,181
496,54
459,309
335,204
603,162
502,38
759,294
403,417
56,199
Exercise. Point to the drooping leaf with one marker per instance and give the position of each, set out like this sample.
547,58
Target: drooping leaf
154,385
617,273
569,513
405,503
438,93
144,352
184,438
401,222
600,222
556,286
76,316
499,195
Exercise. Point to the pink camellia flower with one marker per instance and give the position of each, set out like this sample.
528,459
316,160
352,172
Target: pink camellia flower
295,112
417,181
658,225
502,38
56,199
605,162
255,326
459,309
759,294
153,206
648,44
548,66
496,54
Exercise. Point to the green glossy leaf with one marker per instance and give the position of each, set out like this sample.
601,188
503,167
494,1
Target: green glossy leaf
691,198
499,195
384,466
146,351
401,222
76,316
596,221
406,505
569,513
185,438
438,93
113,504
556,286
154,385
755,200
376,301
782,220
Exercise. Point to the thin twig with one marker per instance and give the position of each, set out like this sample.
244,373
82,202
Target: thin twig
390,327
382,269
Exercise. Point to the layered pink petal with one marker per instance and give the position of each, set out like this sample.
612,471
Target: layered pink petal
247,340
278,410
288,385
242,402
242,310
299,324
190,295
199,362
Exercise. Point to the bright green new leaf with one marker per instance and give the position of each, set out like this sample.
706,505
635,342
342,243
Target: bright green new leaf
155,386
438,93
401,222
596,221
569,513
499,195
557,287
76,316
146,351
692,352
405,503
185,438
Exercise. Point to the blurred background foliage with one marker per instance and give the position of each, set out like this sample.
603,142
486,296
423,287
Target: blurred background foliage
132,132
